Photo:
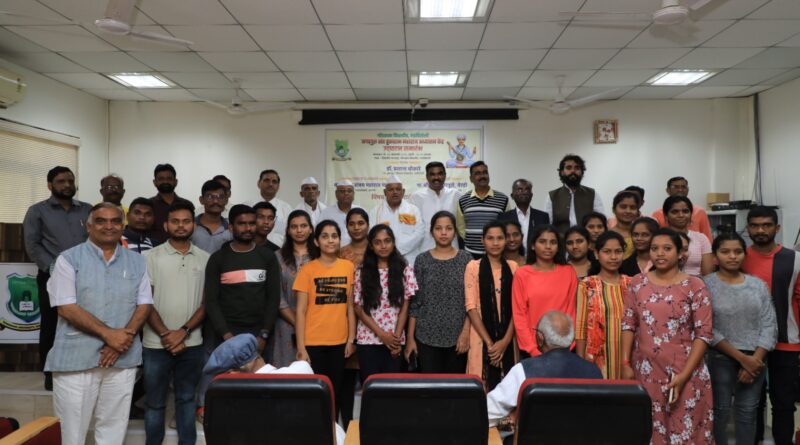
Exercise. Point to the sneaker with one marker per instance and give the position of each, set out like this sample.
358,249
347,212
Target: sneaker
172,424
200,414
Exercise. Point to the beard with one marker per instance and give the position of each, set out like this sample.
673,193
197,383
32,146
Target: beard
571,180
242,238
763,240
65,194
183,238
165,188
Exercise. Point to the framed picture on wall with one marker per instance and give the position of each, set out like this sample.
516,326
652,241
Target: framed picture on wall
606,131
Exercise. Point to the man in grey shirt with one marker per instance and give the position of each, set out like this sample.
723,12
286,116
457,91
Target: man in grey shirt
51,227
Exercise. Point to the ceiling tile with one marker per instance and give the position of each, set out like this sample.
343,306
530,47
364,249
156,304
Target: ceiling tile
547,78
62,38
168,95
742,77
753,90
199,80
215,37
773,58
175,62
446,36
532,11
655,92
521,35
728,9
378,79
495,59
116,94
382,94
128,43
781,78
589,35
366,37
306,60
12,43
778,9
488,93
201,12
685,35
272,12
576,59
84,80
709,58
30,13
491,79
619,78
290,37
608,94
107,62
755,33
373,60
645,58
711,92
328,94
791,42
88,11
440,60
221,95
318,80
359,11
632,6
239,62
260,80
436,93
45,62
544,93
275,94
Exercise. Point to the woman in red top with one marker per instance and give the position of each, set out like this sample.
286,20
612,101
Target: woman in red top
544,284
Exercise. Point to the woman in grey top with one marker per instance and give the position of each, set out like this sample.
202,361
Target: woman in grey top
438,329
745,329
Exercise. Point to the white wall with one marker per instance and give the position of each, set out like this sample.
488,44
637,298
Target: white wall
54,106
706,141
780,154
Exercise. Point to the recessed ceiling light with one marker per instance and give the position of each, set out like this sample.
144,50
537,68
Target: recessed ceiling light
438,78
447,10
680,77
141,80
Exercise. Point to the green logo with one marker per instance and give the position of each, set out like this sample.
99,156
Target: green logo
23,301
341,150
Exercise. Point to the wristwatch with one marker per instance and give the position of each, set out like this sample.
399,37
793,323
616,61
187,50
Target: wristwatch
187,329
264,334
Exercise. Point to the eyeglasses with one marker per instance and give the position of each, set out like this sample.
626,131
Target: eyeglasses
211,197
112,187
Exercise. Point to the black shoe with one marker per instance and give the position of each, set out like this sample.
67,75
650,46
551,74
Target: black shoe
136,413
48,381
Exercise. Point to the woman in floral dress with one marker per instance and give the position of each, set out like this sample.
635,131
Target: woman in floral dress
666,330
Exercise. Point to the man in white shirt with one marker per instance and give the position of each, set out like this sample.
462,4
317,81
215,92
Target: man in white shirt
269,182
434,198
309,191
403,217
345,193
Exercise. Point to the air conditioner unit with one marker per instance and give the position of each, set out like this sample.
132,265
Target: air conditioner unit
12,88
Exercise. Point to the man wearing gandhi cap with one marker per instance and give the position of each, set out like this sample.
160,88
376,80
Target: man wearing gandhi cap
403,217
309,191
240,354
345,193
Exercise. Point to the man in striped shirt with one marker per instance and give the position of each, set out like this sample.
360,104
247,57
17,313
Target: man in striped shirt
476,209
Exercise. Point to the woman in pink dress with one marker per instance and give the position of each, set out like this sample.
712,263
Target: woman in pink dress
666,330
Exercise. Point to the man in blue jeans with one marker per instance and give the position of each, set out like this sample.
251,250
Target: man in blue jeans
173,346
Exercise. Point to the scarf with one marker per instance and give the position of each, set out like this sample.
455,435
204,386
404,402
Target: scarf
496,324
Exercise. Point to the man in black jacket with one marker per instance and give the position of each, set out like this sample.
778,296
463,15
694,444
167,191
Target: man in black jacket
528,217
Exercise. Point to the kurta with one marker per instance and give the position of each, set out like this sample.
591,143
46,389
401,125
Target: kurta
315,214
406,223
598,321
665,321
282,347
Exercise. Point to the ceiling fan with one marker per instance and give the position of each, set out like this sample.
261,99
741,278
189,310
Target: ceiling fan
237,107
560,105
117,21
671,12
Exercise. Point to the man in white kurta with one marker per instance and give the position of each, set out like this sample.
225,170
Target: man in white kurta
403,217
309,191
434,198
345,194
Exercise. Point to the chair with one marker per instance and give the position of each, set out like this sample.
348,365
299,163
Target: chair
422,409
585,411
41,431
7,426
283,409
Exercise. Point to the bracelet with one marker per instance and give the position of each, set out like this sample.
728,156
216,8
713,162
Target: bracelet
187,329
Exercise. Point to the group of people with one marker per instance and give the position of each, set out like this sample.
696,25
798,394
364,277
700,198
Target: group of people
442,282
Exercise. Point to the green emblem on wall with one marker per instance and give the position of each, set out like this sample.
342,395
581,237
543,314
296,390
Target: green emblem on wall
23,301
341,151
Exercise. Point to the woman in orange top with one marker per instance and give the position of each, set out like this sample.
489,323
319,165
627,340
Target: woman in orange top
487,284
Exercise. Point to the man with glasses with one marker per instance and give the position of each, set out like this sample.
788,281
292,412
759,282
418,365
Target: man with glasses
112,189
211,230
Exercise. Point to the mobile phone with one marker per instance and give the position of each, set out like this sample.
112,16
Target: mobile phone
671,396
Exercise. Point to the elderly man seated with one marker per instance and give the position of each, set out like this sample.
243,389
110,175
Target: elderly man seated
240,353
554,335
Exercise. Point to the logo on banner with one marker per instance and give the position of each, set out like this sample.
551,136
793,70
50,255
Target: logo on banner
23,302
341,151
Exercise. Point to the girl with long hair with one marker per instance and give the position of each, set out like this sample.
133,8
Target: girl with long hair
678,211
642,231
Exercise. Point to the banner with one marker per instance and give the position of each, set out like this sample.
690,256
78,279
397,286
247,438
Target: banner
367,157
19,303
